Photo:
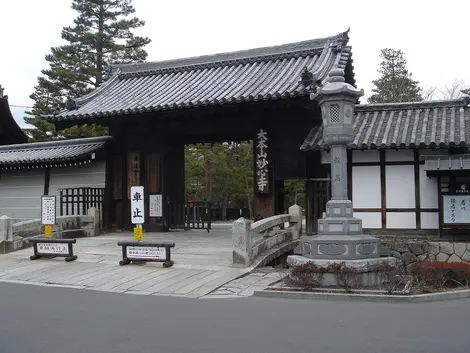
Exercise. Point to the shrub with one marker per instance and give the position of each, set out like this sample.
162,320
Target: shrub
307,275
441,274
391,277
347,277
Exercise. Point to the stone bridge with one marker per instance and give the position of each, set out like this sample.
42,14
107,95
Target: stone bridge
256,244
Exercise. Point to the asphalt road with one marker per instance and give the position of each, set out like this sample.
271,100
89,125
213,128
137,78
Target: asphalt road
45,319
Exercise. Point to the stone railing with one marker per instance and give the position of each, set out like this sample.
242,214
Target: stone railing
265,237
14,236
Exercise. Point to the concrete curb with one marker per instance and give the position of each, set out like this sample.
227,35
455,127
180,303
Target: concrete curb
418,298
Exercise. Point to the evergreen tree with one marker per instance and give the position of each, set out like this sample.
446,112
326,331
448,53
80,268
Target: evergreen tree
395,83
102,33
2,91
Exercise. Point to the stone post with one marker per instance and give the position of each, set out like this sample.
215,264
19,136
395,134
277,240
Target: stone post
295,211
242,239
6,233
95,213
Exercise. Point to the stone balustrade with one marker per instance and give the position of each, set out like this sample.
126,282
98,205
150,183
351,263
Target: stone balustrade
265,238
15,235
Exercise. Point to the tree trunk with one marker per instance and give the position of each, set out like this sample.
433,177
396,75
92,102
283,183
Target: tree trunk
227,182
99,47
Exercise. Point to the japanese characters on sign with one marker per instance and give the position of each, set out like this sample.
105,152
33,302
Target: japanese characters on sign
456,209
47,210
137,205
53,248
133,170
143,252
262,170
155,206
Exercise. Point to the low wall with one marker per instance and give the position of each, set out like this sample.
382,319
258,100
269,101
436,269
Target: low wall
15,235
408,251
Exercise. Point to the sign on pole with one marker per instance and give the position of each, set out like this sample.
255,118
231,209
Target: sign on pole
48,214
137,210
47,210
137,205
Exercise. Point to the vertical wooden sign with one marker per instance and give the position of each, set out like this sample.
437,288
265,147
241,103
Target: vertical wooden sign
117,182
133,171
261,163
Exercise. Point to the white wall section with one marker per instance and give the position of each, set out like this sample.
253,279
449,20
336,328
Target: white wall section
371,220
401,220
365,156
427,189
366,192
400,186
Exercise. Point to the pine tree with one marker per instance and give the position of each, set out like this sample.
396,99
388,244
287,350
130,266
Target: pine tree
2,91
102,33
395,83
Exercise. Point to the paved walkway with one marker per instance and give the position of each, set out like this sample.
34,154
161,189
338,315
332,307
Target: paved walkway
203,263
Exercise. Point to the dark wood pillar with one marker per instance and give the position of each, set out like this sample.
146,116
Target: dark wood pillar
173,183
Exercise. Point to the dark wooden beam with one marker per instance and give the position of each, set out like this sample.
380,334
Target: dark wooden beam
417,190
383,189
440,206
47,180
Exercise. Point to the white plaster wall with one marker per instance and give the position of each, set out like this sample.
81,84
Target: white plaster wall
370,220
401,220
400,186
325,157
366,187
427,189
399,156
365,156
20,193
429,220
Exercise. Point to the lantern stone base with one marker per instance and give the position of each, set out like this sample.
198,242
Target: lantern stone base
339,247
366,276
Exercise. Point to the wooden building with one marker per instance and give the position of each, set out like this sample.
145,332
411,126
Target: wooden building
153,109
405,163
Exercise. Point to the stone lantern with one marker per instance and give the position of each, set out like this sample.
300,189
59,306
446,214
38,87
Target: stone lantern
339,233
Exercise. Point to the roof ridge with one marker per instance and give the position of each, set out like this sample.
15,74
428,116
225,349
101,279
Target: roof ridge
461,101
55,143
266,53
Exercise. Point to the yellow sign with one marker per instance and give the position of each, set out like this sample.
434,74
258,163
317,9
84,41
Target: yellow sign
48,231
138,234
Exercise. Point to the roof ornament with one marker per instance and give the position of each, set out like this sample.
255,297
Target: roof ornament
309,80
70,104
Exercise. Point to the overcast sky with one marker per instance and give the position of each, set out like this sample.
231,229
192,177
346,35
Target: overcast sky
433,34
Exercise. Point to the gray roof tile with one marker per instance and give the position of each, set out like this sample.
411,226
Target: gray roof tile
50,152
435,124
250,75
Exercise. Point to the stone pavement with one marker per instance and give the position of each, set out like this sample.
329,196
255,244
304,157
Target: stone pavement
203,263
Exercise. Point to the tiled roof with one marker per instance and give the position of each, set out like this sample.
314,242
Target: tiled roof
435,124
250,75
50,152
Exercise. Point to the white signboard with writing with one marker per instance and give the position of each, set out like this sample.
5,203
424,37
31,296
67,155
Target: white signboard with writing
456,209
143,252
47,210
137,205
155,206
53,248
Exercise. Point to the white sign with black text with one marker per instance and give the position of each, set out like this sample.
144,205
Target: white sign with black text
456,209
143,252
155,206
53,248
47,210
137,205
